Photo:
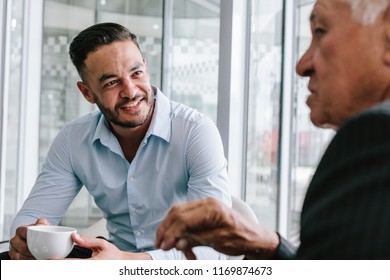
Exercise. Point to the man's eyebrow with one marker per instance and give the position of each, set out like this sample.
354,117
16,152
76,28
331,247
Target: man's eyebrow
137,66
106,77
313,16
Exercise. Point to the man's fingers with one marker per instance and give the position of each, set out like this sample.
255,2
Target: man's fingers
88,242
18,249
15,255
188,217
18,244
22,231
168,237
41,222
176,219
185,245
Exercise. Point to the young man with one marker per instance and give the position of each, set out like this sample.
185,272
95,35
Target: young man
346,209
137,156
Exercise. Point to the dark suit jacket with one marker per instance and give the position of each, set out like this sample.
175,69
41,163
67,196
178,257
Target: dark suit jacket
346,212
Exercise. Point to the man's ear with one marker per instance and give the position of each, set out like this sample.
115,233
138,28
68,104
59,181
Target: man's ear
84,89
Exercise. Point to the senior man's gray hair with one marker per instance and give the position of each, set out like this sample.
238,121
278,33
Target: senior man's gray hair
366,12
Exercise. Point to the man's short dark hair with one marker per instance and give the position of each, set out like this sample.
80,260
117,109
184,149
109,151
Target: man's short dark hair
95,36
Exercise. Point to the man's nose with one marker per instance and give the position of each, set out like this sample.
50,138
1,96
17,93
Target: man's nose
304,66
129,89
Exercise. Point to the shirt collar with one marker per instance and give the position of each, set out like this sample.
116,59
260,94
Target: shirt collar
160,125
103,132
161,122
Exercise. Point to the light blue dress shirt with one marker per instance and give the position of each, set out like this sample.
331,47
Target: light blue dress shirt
180,159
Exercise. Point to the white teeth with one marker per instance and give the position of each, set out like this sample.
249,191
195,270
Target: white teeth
132,104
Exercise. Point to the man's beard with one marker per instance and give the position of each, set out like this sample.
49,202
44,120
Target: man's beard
113,115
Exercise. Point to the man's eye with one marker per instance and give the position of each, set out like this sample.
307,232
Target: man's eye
137,73
111,83
319,32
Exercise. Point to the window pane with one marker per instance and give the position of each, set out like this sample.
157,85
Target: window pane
264,108
13,118
309,142
194,55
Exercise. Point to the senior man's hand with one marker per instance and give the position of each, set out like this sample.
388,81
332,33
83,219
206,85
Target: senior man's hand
208,222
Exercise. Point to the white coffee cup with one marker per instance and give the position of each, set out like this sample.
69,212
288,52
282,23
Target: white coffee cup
48,242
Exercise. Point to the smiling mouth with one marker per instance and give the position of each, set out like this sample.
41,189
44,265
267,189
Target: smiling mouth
131,105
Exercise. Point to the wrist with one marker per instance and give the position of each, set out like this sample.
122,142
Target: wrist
265,248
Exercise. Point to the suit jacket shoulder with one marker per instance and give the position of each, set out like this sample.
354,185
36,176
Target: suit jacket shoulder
346,209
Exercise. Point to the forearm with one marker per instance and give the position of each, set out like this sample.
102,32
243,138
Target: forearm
252,240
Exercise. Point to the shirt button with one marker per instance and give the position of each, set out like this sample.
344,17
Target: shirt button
131,179
137,233
132,209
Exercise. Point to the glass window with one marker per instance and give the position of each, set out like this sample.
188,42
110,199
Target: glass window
193,55
264,109
12,128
